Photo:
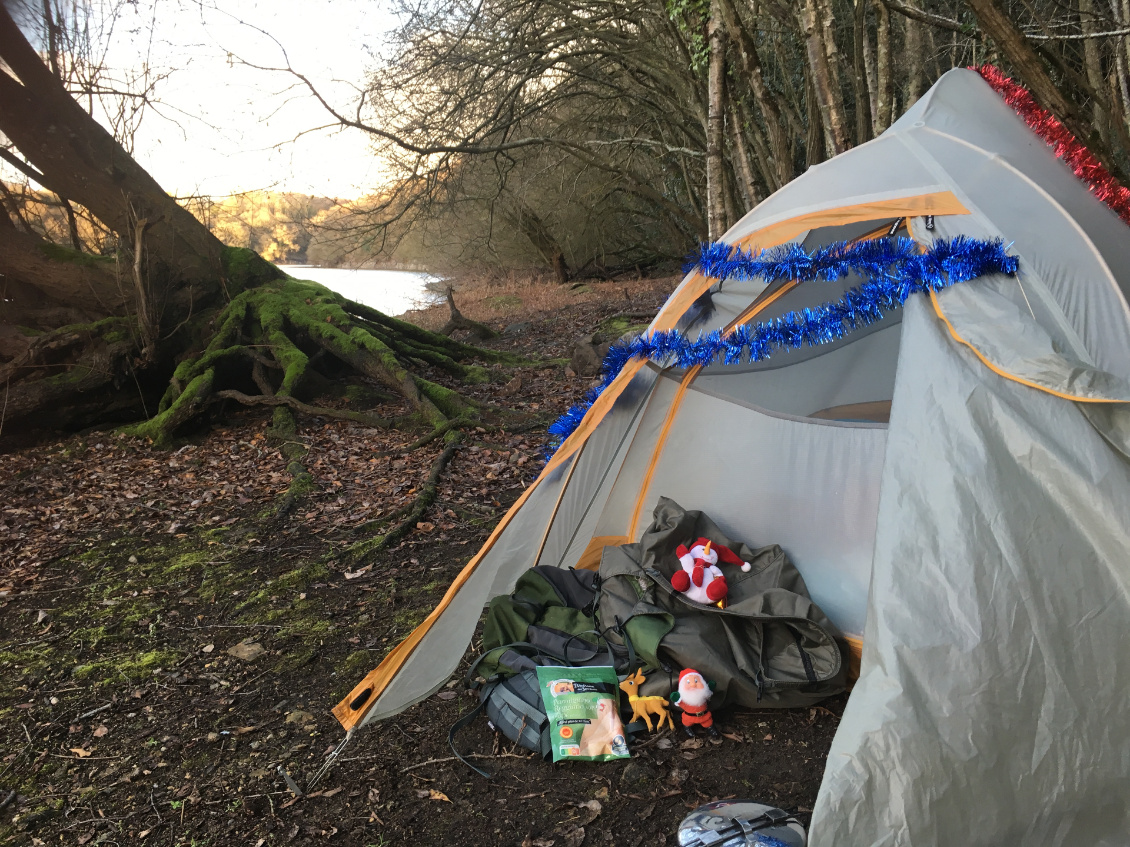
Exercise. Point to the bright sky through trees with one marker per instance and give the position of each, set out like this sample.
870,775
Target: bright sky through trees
223,127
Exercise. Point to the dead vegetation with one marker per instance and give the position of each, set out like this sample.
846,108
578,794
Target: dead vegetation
171,646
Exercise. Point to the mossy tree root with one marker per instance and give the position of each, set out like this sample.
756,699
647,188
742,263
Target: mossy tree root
275,326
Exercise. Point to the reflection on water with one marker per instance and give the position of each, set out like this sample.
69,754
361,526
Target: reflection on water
391,292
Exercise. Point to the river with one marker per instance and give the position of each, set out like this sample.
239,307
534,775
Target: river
391,292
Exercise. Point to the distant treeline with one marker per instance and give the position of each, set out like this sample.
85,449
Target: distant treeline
596,136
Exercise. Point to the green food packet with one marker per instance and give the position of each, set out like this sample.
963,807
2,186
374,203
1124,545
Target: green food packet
583,706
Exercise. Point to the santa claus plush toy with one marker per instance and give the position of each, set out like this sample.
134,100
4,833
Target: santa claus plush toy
701,579
691,699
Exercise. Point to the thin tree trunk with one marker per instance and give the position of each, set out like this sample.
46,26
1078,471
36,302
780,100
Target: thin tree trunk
996,23
861,89
813,141
913,42
1093,65
827,100
746,183
884,81
1121,9
779,169
716,123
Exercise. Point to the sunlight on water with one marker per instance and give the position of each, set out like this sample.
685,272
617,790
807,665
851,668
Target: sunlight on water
391,292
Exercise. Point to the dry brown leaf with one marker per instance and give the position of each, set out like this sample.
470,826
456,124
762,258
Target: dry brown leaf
208,648
81,753
592,810
248,651
100,731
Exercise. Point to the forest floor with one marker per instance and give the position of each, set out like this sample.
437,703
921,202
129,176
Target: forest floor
170,651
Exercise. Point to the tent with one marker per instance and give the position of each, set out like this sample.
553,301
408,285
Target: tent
953,481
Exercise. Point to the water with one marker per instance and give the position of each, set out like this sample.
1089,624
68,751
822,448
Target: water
391,292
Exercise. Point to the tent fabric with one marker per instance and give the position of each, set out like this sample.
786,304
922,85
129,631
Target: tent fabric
977,540
991,704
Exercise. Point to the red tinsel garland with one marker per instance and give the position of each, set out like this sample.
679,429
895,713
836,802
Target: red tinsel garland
1067,147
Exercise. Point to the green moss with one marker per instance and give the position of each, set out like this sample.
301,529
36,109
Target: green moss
59,253
131,668
476,375
244,268
308,628
618,326
504,302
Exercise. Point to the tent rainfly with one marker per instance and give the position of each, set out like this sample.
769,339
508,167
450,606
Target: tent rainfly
953,482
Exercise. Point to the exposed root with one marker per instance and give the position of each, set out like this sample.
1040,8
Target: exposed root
276,326
460,321
359,552
299,406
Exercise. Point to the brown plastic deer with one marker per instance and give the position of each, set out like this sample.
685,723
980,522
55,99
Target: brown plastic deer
644,707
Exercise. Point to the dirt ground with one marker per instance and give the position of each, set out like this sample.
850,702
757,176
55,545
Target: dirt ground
170,650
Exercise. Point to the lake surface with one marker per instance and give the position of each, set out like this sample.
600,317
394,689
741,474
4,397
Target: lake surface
391,292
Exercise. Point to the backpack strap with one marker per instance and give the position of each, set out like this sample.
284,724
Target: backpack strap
466,720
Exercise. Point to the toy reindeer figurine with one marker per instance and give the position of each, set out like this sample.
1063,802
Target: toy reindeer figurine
644,707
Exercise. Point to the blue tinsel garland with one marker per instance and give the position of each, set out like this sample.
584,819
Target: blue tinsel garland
893,267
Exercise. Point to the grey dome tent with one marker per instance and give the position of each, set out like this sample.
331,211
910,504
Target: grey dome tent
953,482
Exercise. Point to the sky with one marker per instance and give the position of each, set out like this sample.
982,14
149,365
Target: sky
222,127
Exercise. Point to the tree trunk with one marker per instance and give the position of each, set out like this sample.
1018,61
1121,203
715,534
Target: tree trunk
534,228
823,81
746,183
883,78
780,169
716,123
82,162
172,296
996,23
860,85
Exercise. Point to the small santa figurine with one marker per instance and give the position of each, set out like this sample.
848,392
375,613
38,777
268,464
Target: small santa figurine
700,578
691,699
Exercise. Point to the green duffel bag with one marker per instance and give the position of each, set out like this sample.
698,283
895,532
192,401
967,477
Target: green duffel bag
770,645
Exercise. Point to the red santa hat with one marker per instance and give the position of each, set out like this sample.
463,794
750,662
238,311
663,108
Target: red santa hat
703,547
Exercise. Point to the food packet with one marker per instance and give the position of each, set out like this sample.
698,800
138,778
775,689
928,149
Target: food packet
583,706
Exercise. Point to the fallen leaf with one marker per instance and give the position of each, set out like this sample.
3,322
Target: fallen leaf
331,792
432,794
573,837
691,744
248,651
100,731
767,737
82,754
446,695
144,833
592,808
42,616
424,526
360,572
299,716
207,648
733,736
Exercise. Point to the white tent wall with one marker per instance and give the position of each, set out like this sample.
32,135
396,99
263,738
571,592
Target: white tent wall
576,520
991,706
774,479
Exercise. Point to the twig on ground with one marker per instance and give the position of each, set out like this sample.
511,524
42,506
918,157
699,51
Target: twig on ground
456,759
93,712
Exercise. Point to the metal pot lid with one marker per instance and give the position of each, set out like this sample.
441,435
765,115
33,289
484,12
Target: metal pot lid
740,823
